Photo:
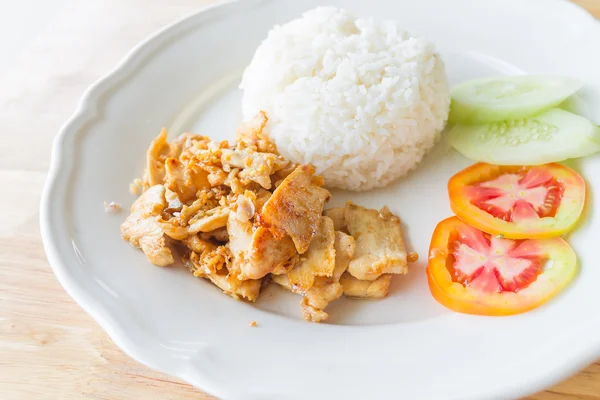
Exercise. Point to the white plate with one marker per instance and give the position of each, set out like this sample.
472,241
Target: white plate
407,345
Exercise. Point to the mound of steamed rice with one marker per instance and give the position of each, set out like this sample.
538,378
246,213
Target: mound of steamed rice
361,100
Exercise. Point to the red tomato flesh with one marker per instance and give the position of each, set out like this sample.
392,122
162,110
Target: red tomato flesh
518,202
525,194
474,272
493,264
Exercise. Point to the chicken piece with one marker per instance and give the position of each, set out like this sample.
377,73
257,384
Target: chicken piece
206,200
173,202
209,220
254,166
188,145
318,297
136,187
376,289
279,176
337,214
269,255
261,167
198,245
156,155
295,207
240,241
173,229
250,135
216,176
262,196
210,258
220,235
380,247
205,214
183,181
232,180
345,247
143,231
204,266
327,289
319,260
256,252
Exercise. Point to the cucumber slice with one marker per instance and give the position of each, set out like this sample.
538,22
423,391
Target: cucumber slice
507,97
552,136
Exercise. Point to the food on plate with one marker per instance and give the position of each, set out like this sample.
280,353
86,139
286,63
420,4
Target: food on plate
473,272
112,207
300,194
508,97
380,248
360,100
357,288
554,135
338,217
355,104
325,288
319,259
240,215
518,202
142,229
369,248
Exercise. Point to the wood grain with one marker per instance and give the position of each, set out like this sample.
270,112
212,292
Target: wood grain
49,347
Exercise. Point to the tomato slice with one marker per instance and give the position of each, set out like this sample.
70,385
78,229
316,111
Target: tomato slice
518,202
473,272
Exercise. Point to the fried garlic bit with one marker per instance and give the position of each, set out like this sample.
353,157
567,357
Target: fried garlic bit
240,215
112,207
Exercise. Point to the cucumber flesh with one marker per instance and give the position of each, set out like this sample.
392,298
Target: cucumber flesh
508,97
552,136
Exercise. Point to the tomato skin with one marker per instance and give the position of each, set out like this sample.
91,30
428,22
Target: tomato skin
463,299
568,213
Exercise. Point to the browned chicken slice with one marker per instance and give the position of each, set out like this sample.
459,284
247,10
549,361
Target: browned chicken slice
143,231
327,289
156,155
279,176
337,215
242,212
206,265
262,196
269,255
256,252
380,247
295,207
376,289
319,260
318,297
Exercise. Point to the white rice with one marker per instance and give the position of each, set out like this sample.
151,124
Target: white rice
361,100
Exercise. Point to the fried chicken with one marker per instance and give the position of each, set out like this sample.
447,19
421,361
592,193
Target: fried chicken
241,214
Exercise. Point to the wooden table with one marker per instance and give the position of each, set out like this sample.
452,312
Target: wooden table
50,348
